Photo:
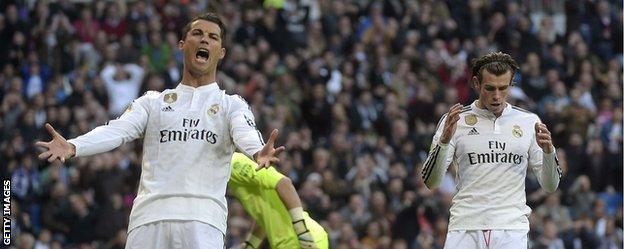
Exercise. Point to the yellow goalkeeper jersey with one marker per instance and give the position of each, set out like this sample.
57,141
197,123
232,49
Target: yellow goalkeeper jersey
256,192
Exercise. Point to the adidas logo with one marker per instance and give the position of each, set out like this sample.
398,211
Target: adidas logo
167,109
473,131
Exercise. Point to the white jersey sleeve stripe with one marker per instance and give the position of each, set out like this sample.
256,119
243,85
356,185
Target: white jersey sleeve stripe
430,162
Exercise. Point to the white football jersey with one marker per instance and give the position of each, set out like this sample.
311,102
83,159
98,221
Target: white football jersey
189,135
491,156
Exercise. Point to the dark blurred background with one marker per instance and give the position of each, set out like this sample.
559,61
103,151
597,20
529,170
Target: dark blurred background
356,88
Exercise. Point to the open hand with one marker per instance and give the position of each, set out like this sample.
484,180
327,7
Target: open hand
58,148
268,154
451,123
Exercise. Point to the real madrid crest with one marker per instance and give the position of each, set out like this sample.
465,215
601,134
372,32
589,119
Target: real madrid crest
170,98
471,119
517,132
213,109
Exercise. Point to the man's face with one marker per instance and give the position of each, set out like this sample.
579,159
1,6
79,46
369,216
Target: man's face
493,90
202,47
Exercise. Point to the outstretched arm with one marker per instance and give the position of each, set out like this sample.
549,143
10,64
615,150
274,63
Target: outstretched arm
129,126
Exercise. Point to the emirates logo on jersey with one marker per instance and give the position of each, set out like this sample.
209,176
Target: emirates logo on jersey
496,154
191,131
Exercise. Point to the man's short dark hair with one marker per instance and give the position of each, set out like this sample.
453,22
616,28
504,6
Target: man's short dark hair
496,63
211,17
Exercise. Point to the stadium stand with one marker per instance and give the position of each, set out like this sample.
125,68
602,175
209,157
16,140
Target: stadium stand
355,87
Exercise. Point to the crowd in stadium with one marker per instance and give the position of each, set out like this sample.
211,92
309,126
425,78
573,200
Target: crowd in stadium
356,88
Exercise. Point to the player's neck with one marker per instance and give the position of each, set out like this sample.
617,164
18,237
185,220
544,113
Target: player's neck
196,80
480,105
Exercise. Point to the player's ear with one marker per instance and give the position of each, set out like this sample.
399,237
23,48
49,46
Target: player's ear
223,50
180,44
475,83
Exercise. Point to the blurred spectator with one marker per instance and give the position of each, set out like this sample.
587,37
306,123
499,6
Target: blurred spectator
157,51
554,211
581,196
549,239
44,240
86,27
356,213
114,21
123,83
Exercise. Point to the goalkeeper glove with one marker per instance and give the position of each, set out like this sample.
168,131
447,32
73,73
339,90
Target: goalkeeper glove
252,242
306,241
303,235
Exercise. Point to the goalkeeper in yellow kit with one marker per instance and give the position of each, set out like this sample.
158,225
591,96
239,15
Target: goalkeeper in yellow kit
272,201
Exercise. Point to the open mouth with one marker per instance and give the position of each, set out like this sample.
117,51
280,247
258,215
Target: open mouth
202,55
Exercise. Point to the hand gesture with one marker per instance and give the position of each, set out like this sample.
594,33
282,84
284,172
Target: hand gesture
542,136
451,123
58,148
268,154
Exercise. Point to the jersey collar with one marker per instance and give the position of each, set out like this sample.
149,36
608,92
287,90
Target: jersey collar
486,112
205,88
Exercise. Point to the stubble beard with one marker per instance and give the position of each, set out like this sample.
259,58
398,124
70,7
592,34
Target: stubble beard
200,70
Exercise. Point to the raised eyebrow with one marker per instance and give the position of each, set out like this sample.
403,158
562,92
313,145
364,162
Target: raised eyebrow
494,87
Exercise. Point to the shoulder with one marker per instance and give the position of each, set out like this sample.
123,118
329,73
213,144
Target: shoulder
523,113
465,109
524,117
513,107
153,94
236,102
236,99
149,96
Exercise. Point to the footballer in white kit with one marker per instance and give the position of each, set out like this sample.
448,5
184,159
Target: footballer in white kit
189,135
491,143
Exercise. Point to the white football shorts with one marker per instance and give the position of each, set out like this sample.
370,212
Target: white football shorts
487,239
175,234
